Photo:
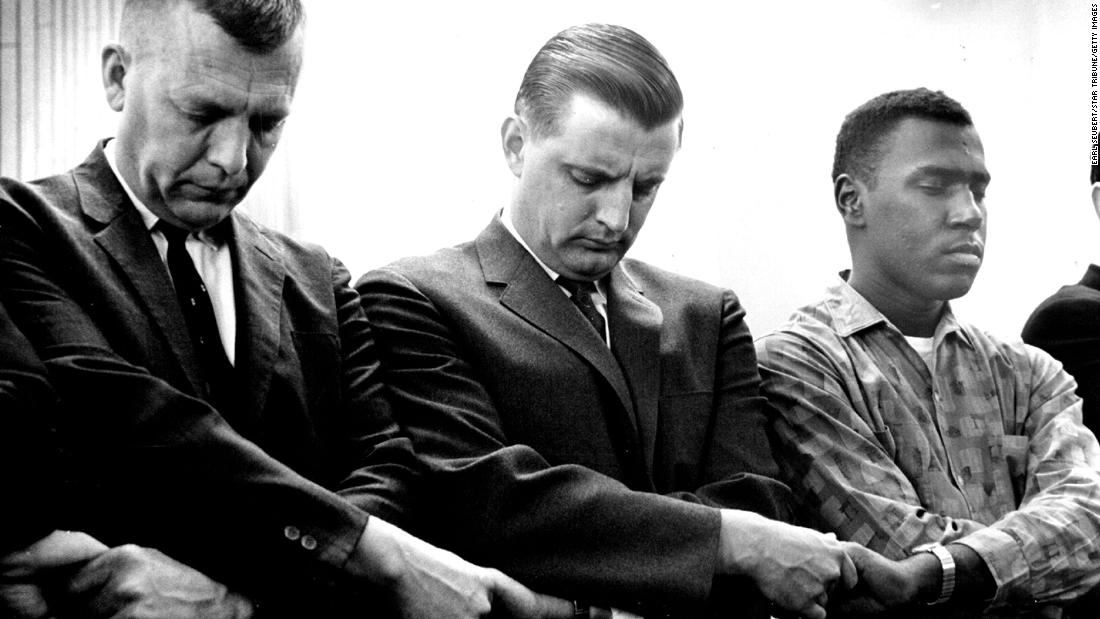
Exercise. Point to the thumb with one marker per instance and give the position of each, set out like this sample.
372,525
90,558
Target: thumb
555,608
57,549
511,599
64,547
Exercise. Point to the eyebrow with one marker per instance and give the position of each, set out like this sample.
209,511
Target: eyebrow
596,170
951,173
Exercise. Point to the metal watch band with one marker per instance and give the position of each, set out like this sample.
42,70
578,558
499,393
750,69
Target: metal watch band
947,563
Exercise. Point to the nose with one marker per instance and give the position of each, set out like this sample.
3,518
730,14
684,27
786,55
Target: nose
227,145
613,208
967,210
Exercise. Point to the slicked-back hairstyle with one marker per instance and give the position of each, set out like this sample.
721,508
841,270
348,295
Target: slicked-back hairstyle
1094,177
859,143
257,25
610,63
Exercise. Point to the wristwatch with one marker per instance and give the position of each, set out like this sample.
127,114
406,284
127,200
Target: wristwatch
947,564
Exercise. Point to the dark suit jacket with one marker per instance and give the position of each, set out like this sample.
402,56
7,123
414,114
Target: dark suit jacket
251,501
28,456
550,451
1067,325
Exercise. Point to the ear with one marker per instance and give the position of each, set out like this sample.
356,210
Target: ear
513,137
115,61
1096,198
849,196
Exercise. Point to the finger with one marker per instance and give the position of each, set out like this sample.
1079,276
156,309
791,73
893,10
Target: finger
240,606
848,572
554,608
511,599
859,555
814,611
57,549
95,575
72,547
23,601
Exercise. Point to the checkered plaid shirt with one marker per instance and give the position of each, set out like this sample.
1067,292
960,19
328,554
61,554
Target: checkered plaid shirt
987,450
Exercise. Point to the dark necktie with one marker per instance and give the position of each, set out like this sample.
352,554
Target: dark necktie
581,294
199,314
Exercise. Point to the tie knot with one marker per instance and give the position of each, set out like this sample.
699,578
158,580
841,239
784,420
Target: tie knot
576,286
176,236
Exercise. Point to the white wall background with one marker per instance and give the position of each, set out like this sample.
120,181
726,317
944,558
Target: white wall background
393,146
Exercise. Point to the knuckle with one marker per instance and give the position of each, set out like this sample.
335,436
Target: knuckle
128,552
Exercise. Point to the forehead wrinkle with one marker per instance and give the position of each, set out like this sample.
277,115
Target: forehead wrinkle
954,172
261,81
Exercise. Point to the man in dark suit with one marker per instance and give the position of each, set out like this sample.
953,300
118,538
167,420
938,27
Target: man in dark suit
29,477
593,426
1067,325
36,553
218,385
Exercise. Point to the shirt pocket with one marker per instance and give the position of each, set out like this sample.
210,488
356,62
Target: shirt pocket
1014,448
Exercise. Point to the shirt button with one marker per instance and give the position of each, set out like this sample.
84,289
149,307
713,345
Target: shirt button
292,533
308,542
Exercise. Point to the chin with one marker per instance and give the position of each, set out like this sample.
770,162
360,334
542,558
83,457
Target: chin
592,272
202,216
951,290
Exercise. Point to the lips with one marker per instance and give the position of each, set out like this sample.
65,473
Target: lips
973,249
209,194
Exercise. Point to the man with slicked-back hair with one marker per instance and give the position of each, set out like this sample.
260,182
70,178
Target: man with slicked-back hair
218,384
592,424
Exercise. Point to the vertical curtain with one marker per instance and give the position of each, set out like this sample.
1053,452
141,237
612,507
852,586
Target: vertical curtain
51,97
52,106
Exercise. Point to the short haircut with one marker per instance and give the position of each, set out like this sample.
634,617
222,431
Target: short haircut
1095,176
611,63
858,145
260,26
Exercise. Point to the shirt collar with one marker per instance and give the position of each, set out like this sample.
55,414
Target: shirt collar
208,237
506,219
852,313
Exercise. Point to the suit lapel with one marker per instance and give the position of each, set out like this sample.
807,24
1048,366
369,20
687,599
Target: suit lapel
635,325
531,294
125,238
258,282
1092,277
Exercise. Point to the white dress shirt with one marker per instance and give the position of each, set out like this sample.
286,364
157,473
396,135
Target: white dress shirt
599,298
211,257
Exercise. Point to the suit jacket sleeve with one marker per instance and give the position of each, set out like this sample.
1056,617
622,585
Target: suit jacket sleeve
28,456
564,529
124,418
382,469
1069,329
738,469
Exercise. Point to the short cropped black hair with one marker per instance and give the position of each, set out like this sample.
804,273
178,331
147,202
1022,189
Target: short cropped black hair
1095,176
861,134
611,63
257,25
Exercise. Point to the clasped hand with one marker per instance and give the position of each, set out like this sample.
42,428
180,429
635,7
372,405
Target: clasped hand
73,572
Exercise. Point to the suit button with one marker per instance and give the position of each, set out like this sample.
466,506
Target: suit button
309,542
292,533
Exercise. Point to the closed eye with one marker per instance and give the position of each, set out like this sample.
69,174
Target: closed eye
646,190
266,124
584,178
